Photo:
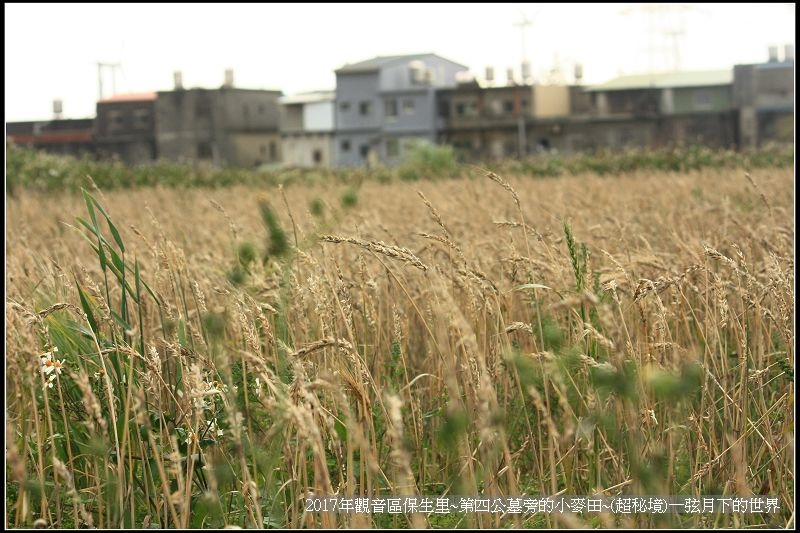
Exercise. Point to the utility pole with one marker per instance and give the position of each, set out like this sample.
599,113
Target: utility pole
100,66
525,74
524,22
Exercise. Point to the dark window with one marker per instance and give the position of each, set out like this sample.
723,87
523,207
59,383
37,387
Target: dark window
364,150
345,145
444,109
460,109
204,150
141,119
344,106
508,106
408,106
365,107
391,108
317,155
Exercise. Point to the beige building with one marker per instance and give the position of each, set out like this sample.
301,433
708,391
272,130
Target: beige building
307,128
499,122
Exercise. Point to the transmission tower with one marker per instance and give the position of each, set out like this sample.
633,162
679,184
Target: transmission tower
665,23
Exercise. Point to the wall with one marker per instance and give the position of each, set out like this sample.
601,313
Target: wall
701,99
299,149
550,101
318,116
352,90
253,149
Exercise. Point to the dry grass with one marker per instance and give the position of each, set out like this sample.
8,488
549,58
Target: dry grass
500,336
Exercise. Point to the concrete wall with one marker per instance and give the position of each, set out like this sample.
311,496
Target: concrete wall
353,90
307,150
416,112
292,118
360,144
254,149
227,127
702,99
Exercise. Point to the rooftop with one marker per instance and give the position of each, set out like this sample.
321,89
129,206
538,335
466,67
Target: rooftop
700,78
308,98
130,97
376,63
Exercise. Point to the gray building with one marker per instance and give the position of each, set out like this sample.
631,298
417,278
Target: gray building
385,103
764,95
228,126
125,128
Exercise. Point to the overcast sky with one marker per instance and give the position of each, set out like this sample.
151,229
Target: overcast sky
52,49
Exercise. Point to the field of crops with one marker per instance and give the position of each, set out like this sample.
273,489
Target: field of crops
195,357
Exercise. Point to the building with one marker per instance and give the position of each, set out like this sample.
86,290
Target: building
307,129
59,136
764,95
228,126
498,122
125,128
386,103
657,110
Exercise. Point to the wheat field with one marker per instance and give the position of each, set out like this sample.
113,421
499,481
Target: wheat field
208,358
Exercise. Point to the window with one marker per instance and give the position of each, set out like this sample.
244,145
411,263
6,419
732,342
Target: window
392,148
444,109
365,107
317,156
467,108
115,120
364,150
508,106
391,107
344,106
345,146
408,106
141,118
204,150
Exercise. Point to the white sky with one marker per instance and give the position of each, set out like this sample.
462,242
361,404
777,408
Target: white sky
51,49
